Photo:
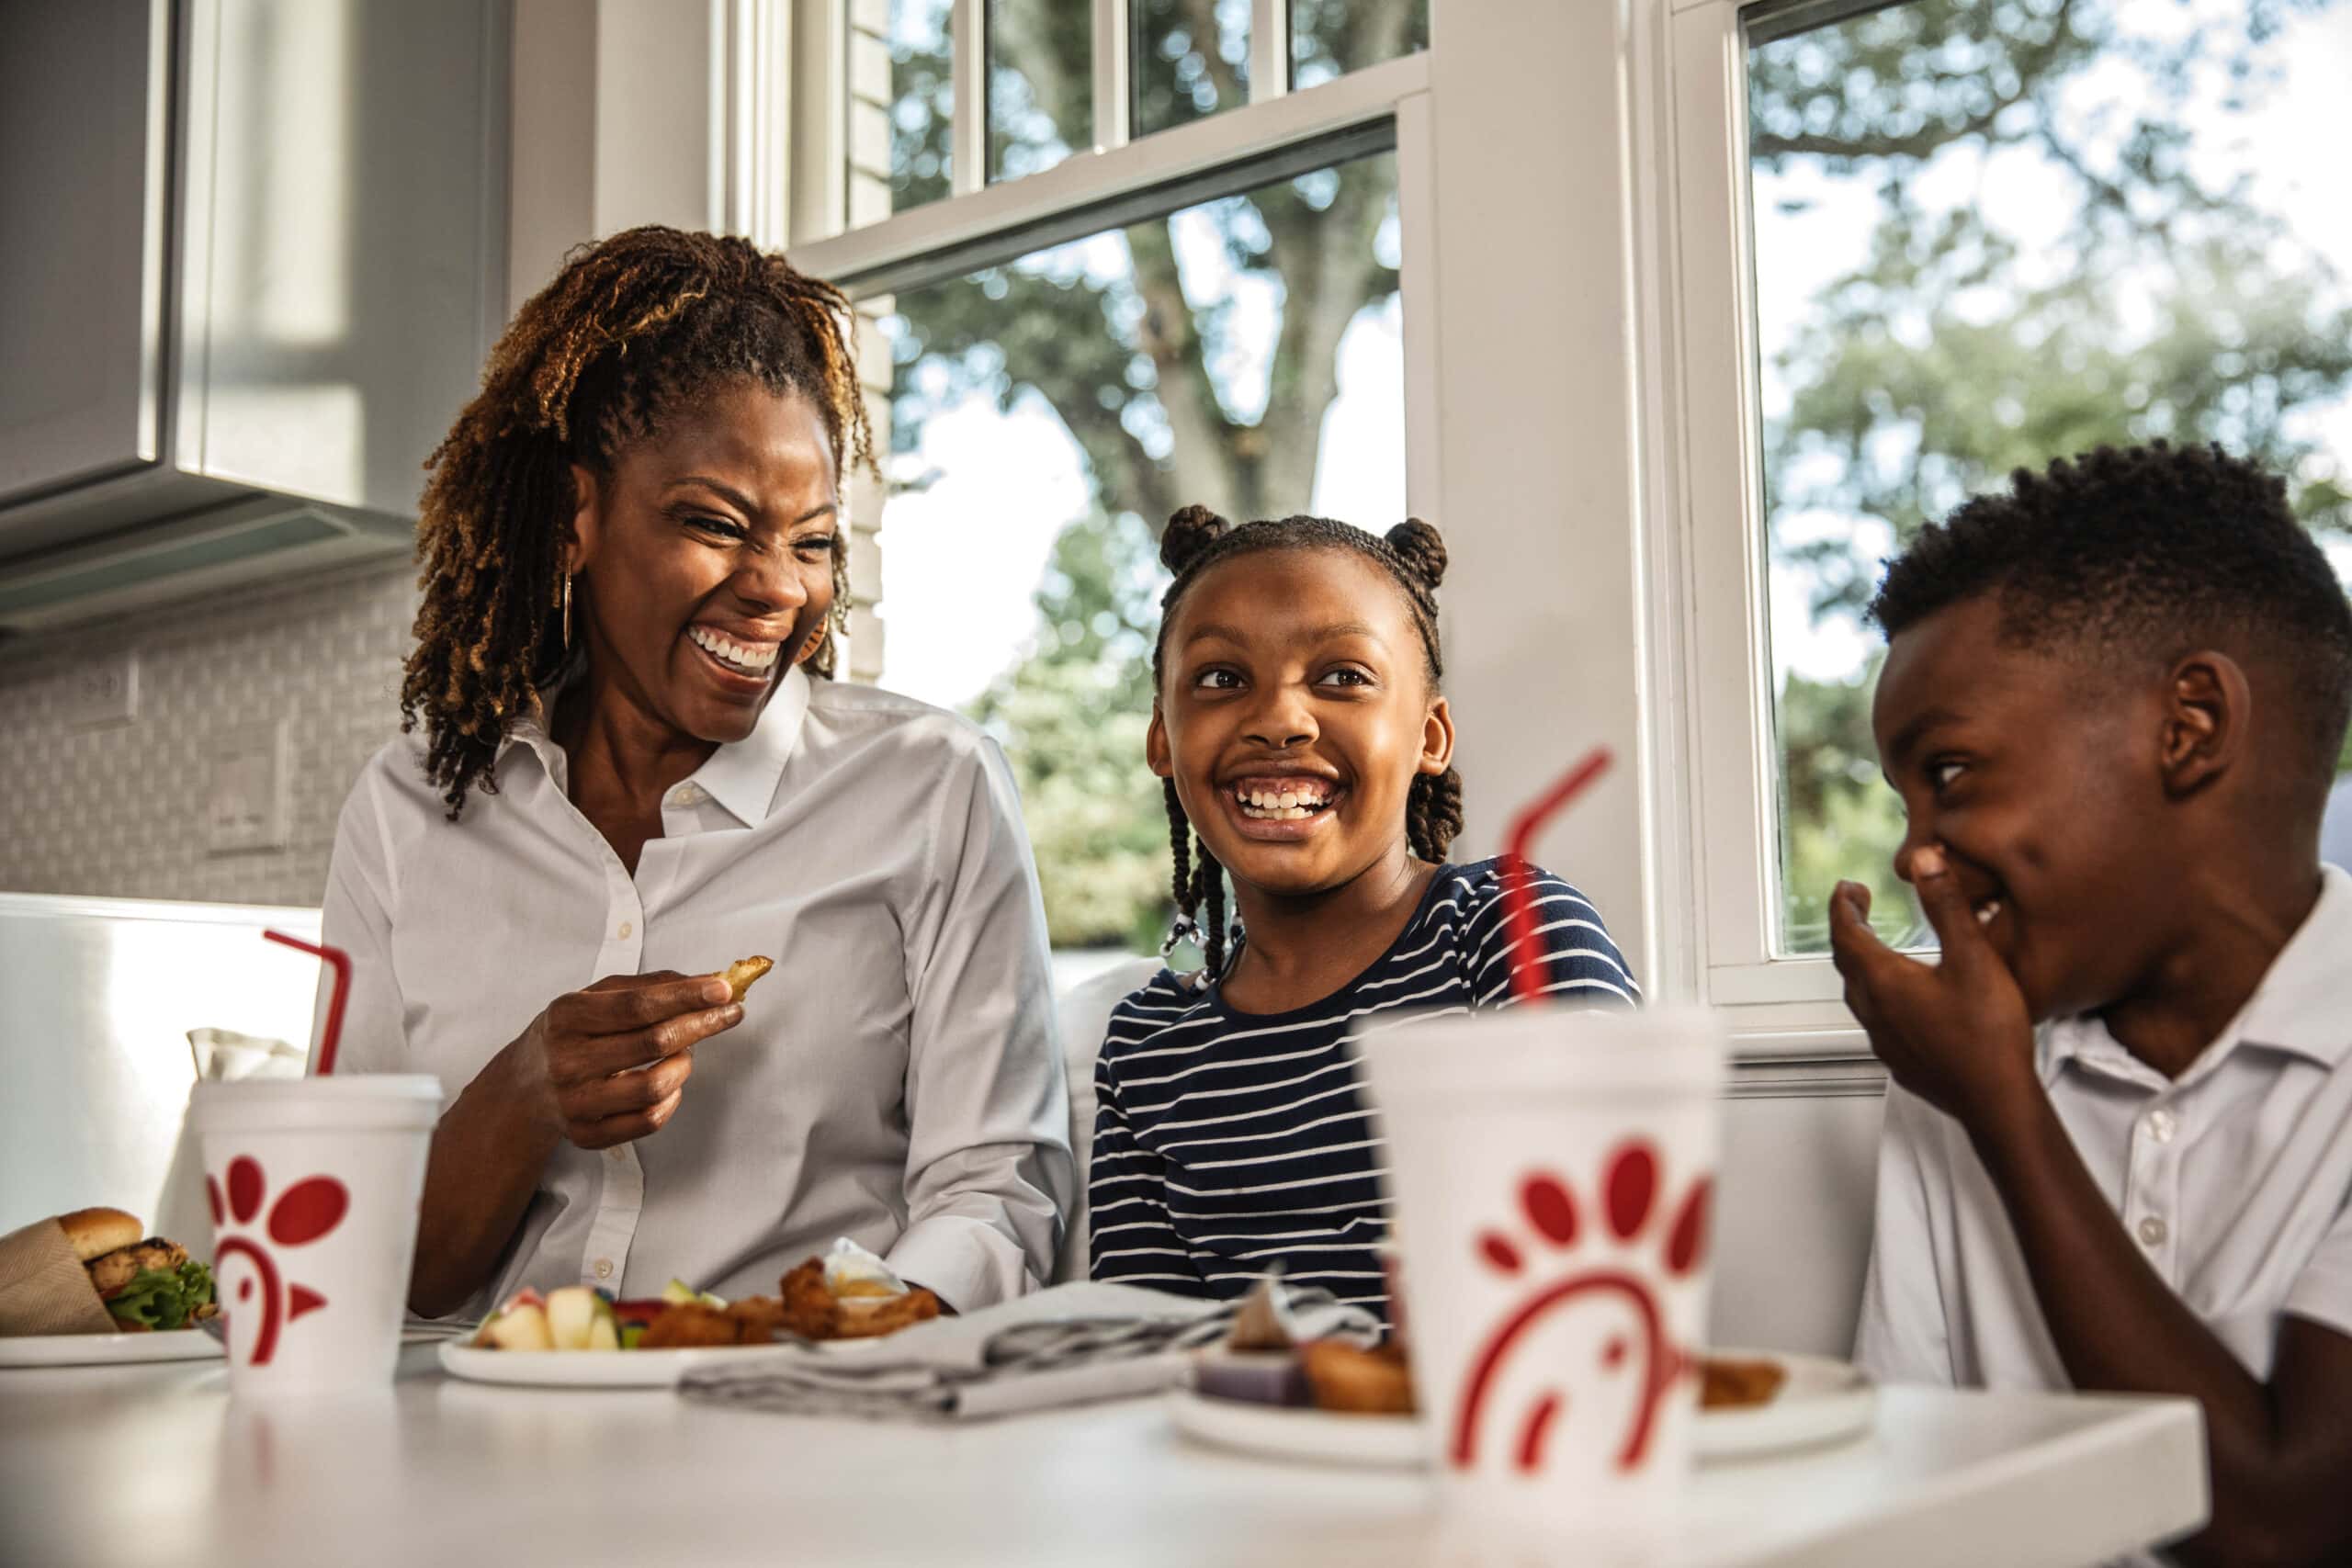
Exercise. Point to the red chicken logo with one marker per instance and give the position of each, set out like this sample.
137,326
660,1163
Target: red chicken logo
1630,1190
303,1212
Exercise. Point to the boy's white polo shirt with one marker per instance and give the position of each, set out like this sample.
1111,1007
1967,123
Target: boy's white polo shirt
2234,1179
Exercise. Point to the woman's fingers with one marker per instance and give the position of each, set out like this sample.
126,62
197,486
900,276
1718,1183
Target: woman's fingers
628,1127
585,1059
625,1004
627,1094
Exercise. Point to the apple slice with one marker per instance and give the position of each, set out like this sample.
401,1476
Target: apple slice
571,1316
521,1327
604,1329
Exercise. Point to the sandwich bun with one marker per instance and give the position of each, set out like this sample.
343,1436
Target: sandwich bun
94,1232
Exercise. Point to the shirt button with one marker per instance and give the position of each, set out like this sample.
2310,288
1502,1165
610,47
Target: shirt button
2153,1231
2162,1125
615,1153
604,1268
683,796
626,929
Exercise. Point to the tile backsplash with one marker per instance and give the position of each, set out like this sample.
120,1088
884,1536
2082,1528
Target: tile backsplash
120,809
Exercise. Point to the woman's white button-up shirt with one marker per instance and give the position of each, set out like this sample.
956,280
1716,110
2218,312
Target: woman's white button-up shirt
897,1080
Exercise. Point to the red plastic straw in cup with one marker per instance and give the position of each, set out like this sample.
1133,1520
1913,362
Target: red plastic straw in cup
1519,907
341,961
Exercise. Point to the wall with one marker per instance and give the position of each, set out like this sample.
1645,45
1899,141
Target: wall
119,810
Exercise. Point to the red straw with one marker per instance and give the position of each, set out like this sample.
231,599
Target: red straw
342,962
1519,909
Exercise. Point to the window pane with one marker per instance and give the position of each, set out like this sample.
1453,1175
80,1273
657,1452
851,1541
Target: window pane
1990,233
1047,416
900,104
1192,59
1040,83
1330,38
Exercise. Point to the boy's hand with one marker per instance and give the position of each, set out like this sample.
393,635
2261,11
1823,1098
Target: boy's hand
1956,1034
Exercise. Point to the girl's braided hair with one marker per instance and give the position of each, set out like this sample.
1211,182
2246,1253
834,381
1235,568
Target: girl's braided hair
634,327
1414,555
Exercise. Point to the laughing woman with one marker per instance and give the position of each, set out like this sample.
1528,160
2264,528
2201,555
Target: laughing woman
635,768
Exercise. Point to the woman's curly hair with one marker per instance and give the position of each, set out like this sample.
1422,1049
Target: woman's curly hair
1413,554
633,327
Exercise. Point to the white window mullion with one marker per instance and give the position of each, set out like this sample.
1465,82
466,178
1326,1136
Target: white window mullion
816,192
1269,50
967,158
1114,80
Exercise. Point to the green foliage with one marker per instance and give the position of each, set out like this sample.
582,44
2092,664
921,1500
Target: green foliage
1171,397
2167,307
1072,717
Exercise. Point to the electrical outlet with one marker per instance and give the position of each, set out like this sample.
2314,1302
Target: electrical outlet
102,691
245,788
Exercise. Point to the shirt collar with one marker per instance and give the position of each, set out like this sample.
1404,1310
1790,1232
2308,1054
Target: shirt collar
2298,1007
741,775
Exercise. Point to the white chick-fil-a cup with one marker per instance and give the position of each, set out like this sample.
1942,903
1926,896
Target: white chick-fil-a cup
1553,1174
315,1186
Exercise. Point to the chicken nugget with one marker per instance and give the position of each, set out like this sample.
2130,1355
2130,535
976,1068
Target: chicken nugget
741,974
689,1326
1726,1384
1378,1381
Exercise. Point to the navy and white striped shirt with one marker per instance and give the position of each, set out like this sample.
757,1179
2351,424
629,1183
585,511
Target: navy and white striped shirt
1225,1141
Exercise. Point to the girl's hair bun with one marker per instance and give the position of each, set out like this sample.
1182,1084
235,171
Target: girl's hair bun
1419,547
1191,531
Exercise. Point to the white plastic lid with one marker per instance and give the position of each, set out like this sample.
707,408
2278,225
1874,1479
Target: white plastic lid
1537,1049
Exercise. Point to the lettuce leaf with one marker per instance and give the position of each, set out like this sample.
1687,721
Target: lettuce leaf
164,1299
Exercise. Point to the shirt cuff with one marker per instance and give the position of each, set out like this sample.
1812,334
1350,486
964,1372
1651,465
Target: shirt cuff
967,1263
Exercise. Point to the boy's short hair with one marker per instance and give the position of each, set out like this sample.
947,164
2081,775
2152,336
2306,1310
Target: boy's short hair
2156,551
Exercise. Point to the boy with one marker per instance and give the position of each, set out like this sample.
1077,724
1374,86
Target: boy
2117,1149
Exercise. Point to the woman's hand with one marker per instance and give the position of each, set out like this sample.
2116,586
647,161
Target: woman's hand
609,1065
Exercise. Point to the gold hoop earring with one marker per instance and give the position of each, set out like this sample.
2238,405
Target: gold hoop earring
567,611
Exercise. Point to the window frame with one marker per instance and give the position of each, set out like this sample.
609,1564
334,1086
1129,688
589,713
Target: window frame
1711,595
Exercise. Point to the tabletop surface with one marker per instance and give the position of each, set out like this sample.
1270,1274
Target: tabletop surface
128,1465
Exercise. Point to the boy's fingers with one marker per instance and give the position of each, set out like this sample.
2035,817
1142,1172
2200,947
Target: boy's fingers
1947,908
1853,946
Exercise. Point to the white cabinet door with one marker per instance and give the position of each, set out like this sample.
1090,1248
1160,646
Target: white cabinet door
84,99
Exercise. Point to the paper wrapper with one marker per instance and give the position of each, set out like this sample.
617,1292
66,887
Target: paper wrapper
43,1287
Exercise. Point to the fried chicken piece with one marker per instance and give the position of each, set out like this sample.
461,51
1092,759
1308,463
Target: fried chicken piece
870,1317
810,1309
740,975
1726,1384
690,1325
1378,1381
112,1272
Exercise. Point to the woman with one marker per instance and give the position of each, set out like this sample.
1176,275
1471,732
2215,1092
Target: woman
634,770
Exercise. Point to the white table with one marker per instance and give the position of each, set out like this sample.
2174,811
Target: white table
141,1465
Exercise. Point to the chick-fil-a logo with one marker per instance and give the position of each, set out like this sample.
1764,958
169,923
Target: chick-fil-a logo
1630,1190
303,1212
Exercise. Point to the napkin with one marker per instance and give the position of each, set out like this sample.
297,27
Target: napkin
1071,1345
43,1287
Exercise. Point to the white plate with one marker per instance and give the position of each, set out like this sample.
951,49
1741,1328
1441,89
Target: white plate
107,1349
596,1369
1823,1402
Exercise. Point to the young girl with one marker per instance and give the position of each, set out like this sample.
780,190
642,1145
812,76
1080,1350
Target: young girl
1305,750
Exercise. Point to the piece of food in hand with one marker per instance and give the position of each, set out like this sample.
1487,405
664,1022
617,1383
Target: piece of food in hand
147,1282
740,974
1728,1384
1378,1381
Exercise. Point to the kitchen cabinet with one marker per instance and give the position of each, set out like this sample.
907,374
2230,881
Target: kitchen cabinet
248,248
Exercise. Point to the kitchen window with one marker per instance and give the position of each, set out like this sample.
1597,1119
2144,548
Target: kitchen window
1924,244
